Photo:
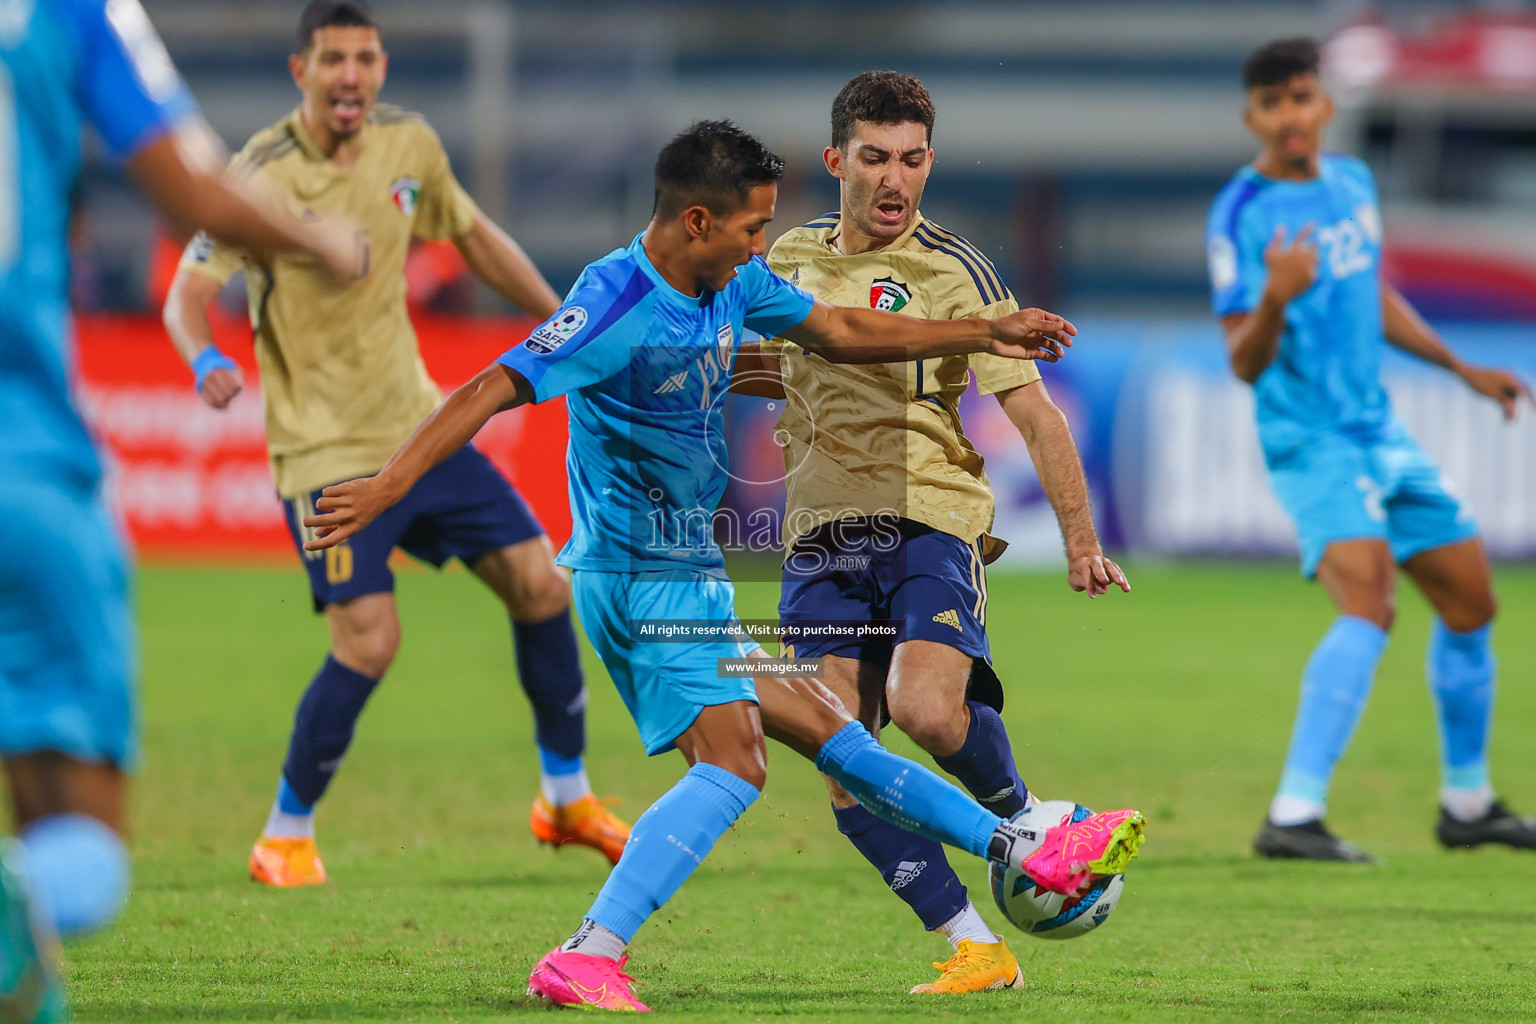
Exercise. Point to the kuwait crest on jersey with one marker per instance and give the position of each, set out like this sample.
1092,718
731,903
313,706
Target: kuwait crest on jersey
404,191
889,294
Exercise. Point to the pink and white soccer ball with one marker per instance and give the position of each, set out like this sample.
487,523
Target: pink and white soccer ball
1050,915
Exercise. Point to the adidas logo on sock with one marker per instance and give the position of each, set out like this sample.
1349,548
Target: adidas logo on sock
949,618
1001,794
906,871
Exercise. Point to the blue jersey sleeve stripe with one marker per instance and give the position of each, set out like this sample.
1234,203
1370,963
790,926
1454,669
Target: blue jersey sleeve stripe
941,246
534,365
1244,197
988,270
635,289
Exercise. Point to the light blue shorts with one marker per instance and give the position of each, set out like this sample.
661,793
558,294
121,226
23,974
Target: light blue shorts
665,684
66,629
1339,488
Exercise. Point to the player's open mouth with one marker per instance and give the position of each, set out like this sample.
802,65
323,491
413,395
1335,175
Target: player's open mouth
891,213
347,107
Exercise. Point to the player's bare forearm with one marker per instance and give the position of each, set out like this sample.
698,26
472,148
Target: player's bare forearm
1253,338
185,313
1046,434
502,264
346,508
1048,437
1406,330
185,316
847,334
757,373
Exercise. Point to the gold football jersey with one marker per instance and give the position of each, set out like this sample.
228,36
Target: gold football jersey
886,437
341,373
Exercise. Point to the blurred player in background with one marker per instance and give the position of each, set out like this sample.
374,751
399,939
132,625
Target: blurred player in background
68,729
885,524
646,338
1295,259
344,384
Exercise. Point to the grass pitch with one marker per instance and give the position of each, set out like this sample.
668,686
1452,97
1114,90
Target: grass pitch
1177,698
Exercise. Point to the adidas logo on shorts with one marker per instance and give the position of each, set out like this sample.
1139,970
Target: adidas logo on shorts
948,617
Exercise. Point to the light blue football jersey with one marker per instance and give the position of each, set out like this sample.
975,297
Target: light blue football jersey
1327,374
646,369
62,63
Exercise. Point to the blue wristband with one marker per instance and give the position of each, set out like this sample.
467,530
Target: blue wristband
208,360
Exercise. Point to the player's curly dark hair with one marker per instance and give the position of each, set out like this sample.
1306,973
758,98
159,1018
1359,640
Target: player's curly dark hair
1280,61
332,14
713,164
881,97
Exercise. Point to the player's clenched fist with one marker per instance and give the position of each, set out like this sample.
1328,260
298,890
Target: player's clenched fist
1292,268
344,509
1032,334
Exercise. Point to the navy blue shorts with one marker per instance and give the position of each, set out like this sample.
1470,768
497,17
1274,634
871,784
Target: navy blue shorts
463,508
930,584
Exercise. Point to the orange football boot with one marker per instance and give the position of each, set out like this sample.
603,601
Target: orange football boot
586,823
286,863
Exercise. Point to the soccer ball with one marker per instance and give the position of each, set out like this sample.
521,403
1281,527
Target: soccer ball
1050,915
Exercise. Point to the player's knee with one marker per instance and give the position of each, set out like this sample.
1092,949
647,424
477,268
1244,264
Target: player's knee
1471,613
826,710
369,651
1372,595
539,595
938,730
753,772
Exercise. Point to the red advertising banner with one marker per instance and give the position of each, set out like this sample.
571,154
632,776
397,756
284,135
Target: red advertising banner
191,481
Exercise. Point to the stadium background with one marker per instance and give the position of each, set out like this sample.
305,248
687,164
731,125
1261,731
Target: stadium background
1079,149
1078,145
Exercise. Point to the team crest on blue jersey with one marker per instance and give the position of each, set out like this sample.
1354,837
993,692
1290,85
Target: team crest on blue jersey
404,192
889,294
558,331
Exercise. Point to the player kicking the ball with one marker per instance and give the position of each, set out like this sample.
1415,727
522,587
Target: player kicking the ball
1295,256
343,384
645,341
911,507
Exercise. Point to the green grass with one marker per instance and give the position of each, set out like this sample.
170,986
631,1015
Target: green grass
1177,699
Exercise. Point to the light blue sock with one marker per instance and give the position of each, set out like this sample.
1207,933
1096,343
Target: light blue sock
904,792
79,870
1460,668
671,838
1334,690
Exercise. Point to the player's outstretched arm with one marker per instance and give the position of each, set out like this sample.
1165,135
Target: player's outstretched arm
502,264
1253,338
344,509
1407,330
182,174
848,334
1046,433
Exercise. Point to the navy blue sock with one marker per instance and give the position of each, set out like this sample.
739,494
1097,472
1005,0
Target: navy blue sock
915,868
984,764
322,728
549,666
